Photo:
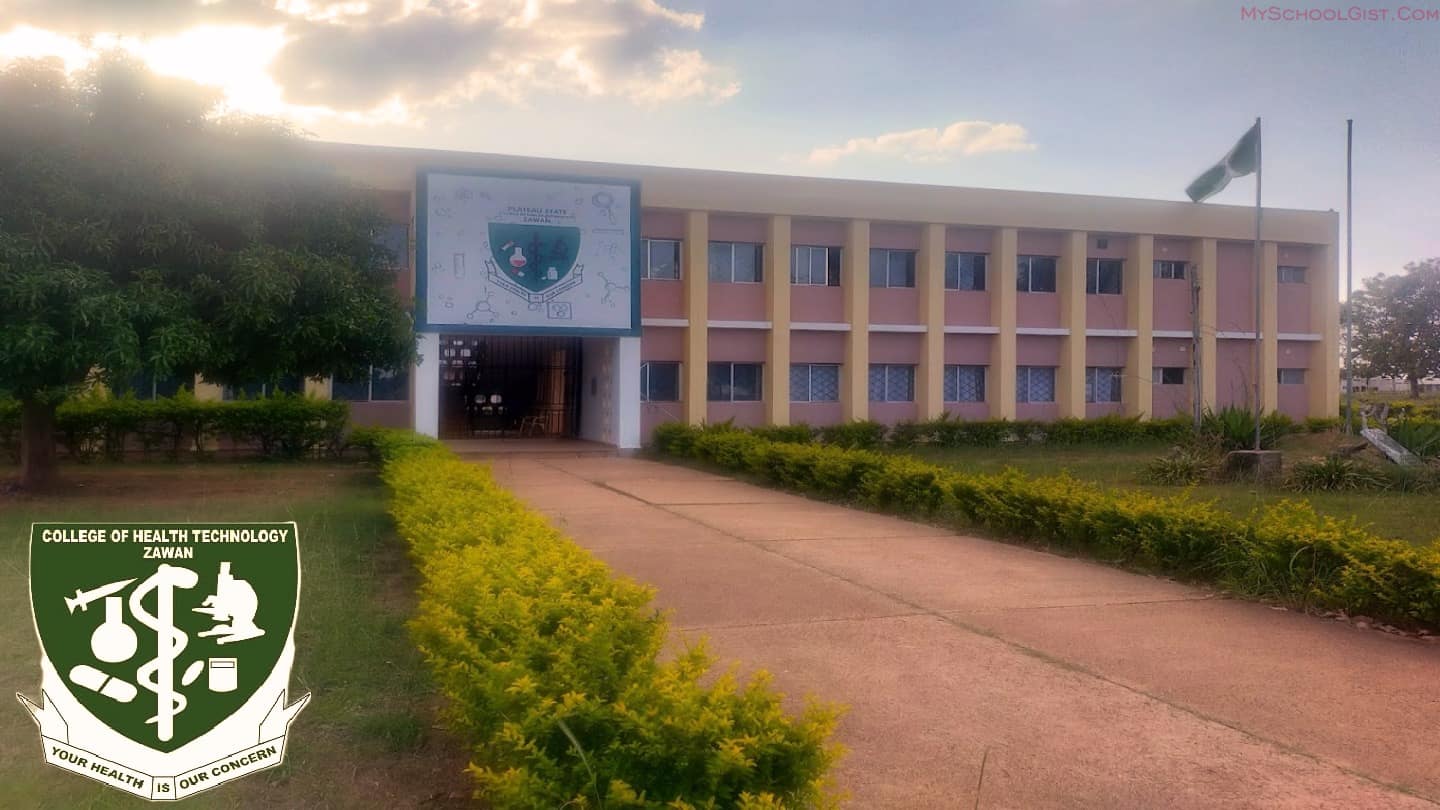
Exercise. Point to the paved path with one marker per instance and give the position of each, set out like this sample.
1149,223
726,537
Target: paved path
983,674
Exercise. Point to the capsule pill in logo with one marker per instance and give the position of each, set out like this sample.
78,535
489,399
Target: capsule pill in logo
223,674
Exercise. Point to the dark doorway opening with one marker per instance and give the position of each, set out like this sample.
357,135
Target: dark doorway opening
500,386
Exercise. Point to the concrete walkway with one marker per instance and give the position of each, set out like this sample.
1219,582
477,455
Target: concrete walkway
980,674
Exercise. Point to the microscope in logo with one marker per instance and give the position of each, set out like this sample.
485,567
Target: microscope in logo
164,678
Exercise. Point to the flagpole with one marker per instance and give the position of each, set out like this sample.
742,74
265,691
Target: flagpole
1349,280
1259,405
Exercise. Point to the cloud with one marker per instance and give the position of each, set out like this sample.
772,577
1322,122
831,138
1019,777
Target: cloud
932,144
352,57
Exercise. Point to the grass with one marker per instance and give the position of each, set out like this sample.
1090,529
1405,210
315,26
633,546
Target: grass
367,738
1414,518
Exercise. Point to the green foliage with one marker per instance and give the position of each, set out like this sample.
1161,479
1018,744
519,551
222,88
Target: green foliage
1396,331
10,429
551,665
1334,474
1183,466
1418,435
1287,553
1322,424
1233,427
94,425
857,435
801,433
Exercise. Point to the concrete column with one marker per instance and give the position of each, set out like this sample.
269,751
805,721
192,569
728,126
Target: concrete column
1139,286
855,282
1323,378
777,311
1206,266
208,391
930,275
1269,326
1000,272
318,388
695,275
427,385
627,393
1070,284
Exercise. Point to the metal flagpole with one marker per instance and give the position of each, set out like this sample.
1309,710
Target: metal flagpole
1259,405
1349,280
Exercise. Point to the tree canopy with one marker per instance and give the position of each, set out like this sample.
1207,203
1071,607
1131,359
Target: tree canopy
1397,324
144,230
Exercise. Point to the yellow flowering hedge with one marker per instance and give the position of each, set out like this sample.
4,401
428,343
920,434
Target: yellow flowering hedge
1287,552
551,664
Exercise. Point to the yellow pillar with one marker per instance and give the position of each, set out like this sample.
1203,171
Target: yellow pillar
930,275
1070,284
1139,286
694,270
1206,266
1269,326
855,282
1001,272
777,311
1323,378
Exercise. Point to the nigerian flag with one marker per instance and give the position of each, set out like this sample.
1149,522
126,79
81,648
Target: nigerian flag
1242,159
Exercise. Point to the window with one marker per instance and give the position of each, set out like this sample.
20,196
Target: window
1103,276
1034,383
1291,376
815,266
660,259
813,382
146,385
734,382
1291,275
289,384
1035,274
1170,270
964,271
964,383
892,268
1168,375
380,385
659,382
892,383
735,262
394,237
1103,383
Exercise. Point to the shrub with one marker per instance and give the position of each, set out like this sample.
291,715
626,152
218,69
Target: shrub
1181,467
858,435
1419,436
551,665
10,429
1234,427
1321,424
1287,553
1333,474
800,434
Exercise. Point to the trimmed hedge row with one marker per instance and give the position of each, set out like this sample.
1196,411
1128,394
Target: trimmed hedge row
551,667
951,432
96,426
1287,552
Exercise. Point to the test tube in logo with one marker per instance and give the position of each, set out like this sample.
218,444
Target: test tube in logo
222,674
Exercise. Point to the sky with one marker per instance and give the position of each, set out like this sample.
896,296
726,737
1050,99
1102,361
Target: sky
1115,97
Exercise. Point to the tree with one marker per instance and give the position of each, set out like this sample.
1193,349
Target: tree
1397,324
142,231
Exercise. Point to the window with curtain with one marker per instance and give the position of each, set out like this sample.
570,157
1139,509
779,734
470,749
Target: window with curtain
814,382
890,382
964,383
1103,383
1035,384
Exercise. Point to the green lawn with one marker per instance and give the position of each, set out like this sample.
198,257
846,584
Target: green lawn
1415,518
367,738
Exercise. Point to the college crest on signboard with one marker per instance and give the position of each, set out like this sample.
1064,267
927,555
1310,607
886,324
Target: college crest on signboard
165,650
536,262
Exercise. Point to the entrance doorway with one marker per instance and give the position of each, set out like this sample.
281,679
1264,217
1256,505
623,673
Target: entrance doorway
499,386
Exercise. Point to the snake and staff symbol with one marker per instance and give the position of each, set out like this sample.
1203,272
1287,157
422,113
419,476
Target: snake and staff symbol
158,674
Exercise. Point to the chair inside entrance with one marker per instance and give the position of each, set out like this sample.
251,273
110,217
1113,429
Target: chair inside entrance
504,387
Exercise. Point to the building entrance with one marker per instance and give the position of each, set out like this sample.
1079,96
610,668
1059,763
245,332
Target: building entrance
500,386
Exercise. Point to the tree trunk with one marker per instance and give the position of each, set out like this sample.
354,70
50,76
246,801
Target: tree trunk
1414,385
38,463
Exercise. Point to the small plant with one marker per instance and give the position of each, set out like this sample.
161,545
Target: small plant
1234,427
1321,424
794,434
1419,436
1182,467
859,435
1334,474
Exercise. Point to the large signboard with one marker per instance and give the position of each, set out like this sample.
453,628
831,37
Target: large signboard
528,254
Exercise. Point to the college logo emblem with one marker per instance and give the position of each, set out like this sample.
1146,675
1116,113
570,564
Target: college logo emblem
536,262
165,650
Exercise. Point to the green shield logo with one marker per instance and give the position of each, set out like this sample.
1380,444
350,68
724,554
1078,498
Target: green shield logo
534,258
166,649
